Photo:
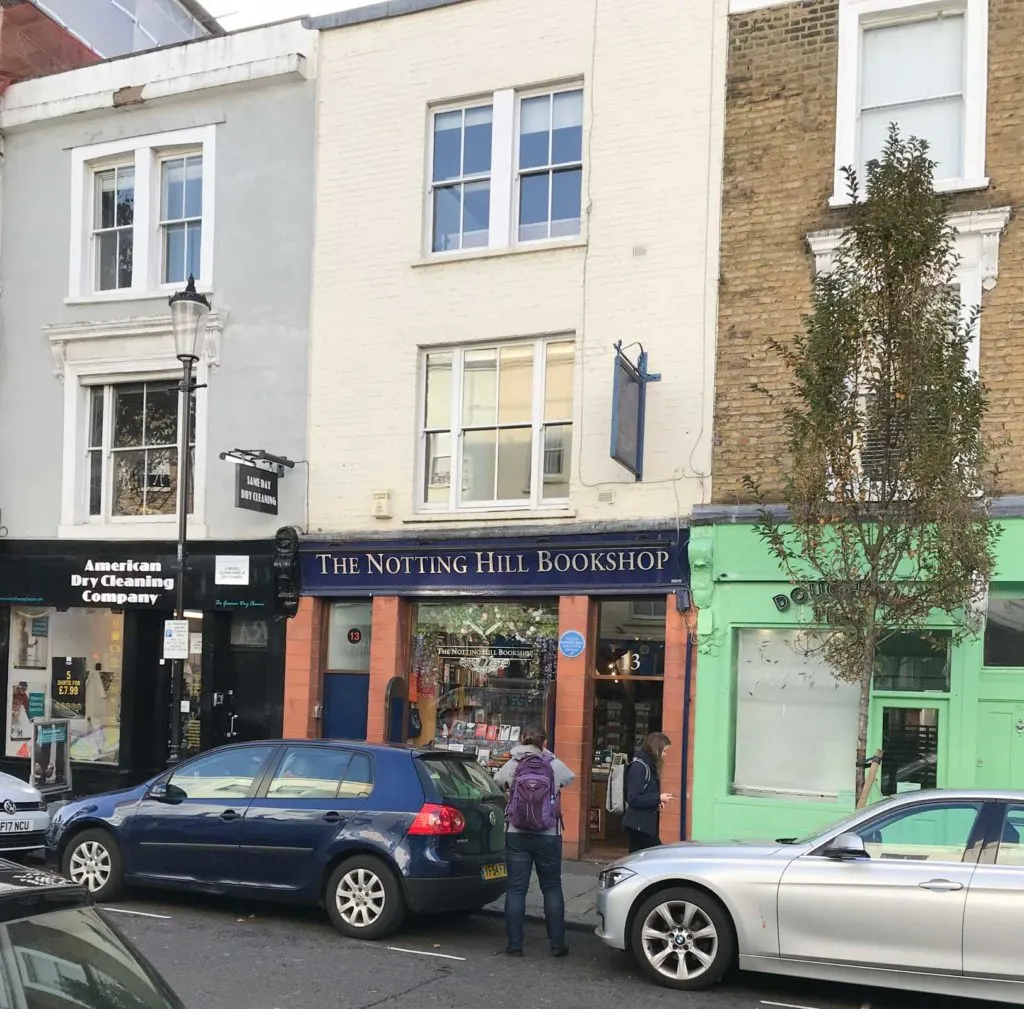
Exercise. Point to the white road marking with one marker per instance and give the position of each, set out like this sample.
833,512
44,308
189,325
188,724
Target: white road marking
787,1005
422,952
140,914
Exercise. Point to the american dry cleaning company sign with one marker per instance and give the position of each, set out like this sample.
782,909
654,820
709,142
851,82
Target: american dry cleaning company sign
122,583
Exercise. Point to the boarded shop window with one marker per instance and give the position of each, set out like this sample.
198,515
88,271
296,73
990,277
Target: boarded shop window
789,705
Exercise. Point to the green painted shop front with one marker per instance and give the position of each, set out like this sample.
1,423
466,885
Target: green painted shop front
775,733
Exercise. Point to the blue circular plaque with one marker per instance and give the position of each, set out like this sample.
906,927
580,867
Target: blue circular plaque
571,644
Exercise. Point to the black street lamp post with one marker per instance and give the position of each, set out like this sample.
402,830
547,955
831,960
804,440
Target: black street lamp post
189,310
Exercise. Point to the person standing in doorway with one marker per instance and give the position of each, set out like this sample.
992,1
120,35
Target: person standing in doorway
644,798
534,777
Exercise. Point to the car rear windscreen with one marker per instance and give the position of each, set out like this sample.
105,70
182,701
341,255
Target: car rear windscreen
457,778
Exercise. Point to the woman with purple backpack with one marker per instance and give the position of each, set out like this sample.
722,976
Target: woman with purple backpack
534,777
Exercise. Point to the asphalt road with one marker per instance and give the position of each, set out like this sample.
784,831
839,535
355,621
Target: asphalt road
222,954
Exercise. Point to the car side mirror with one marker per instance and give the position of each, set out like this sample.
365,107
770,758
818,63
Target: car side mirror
846,846
164,791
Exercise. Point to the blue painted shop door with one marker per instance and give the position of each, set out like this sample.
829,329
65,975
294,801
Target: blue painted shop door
346,698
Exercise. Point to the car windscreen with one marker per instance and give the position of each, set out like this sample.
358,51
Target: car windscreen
73,958
458,778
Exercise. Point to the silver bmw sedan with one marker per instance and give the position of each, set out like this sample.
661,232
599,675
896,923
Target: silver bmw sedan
921,892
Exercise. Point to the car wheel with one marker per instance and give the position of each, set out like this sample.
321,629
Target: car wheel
684,939
364,899
93,860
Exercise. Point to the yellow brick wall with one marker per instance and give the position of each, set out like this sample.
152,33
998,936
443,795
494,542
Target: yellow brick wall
777,178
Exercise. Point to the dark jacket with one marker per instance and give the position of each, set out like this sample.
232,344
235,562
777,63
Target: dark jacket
643,796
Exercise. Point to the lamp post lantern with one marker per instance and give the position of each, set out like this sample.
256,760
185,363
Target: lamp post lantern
189,311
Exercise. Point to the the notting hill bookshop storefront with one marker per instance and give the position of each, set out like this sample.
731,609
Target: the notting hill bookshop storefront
81,637
462,644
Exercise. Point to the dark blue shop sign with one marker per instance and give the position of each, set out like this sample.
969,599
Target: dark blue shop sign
583,565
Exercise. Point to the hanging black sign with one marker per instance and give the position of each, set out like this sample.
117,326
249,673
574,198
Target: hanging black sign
255,489
67,690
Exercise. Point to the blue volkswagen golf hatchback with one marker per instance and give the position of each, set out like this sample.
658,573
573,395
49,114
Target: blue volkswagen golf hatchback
371,832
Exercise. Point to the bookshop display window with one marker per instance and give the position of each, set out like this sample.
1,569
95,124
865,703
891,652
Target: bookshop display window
482,672
66,664
628,694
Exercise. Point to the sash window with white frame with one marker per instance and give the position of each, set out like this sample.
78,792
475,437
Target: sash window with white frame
497,425
181,217
113,231
461,178
133,436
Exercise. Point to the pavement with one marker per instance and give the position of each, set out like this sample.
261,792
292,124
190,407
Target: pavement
579,888
220,953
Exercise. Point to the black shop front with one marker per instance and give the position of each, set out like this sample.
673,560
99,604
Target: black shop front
81,637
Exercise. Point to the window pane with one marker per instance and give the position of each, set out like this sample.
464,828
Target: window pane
558,381
309,772
225,775
515,393
125,196
479,396
478,460
1011,844
439,391
95,482
910,662
1004,632
934,833
534,127
106,185
194,186
129,401
125,245
447,219
174,254
476,214
358,783
172,204
161,414
910,747
788,701
565,202
161,481
95,417
567,128
129,483
106,261
912,62
533,207
194,246
940,122
447,145
476,157
438,468
348,636
557,460
515,448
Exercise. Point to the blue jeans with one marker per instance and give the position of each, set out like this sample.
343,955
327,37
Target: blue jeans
523,852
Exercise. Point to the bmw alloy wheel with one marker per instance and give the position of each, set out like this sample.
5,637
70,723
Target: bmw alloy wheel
360,898
679,940
90,865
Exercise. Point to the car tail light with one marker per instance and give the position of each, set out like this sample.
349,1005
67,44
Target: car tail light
437,821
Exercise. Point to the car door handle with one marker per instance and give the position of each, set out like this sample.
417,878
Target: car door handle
228,815
941,885
333,816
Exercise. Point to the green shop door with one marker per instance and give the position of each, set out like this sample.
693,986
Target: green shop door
913,739
1000,745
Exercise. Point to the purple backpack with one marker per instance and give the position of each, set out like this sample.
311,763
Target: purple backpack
533,803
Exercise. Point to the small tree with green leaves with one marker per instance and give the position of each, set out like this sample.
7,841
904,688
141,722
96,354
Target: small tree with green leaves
890,473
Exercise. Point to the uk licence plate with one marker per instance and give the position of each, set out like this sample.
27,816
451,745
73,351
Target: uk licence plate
496,871
17,826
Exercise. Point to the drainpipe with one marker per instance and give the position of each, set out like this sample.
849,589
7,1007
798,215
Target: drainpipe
686,734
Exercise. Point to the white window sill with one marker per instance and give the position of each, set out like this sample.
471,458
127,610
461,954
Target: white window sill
943,186
438,258
506,515
154,529
131,294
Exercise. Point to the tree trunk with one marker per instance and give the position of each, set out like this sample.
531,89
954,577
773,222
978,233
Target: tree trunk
866,678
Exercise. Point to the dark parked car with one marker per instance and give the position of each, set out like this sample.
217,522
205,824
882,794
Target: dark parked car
56,952
371,832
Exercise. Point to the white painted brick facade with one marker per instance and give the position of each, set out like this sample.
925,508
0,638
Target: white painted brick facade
653,77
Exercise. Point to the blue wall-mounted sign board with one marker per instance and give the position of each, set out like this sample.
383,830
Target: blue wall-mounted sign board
629,408
571,644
